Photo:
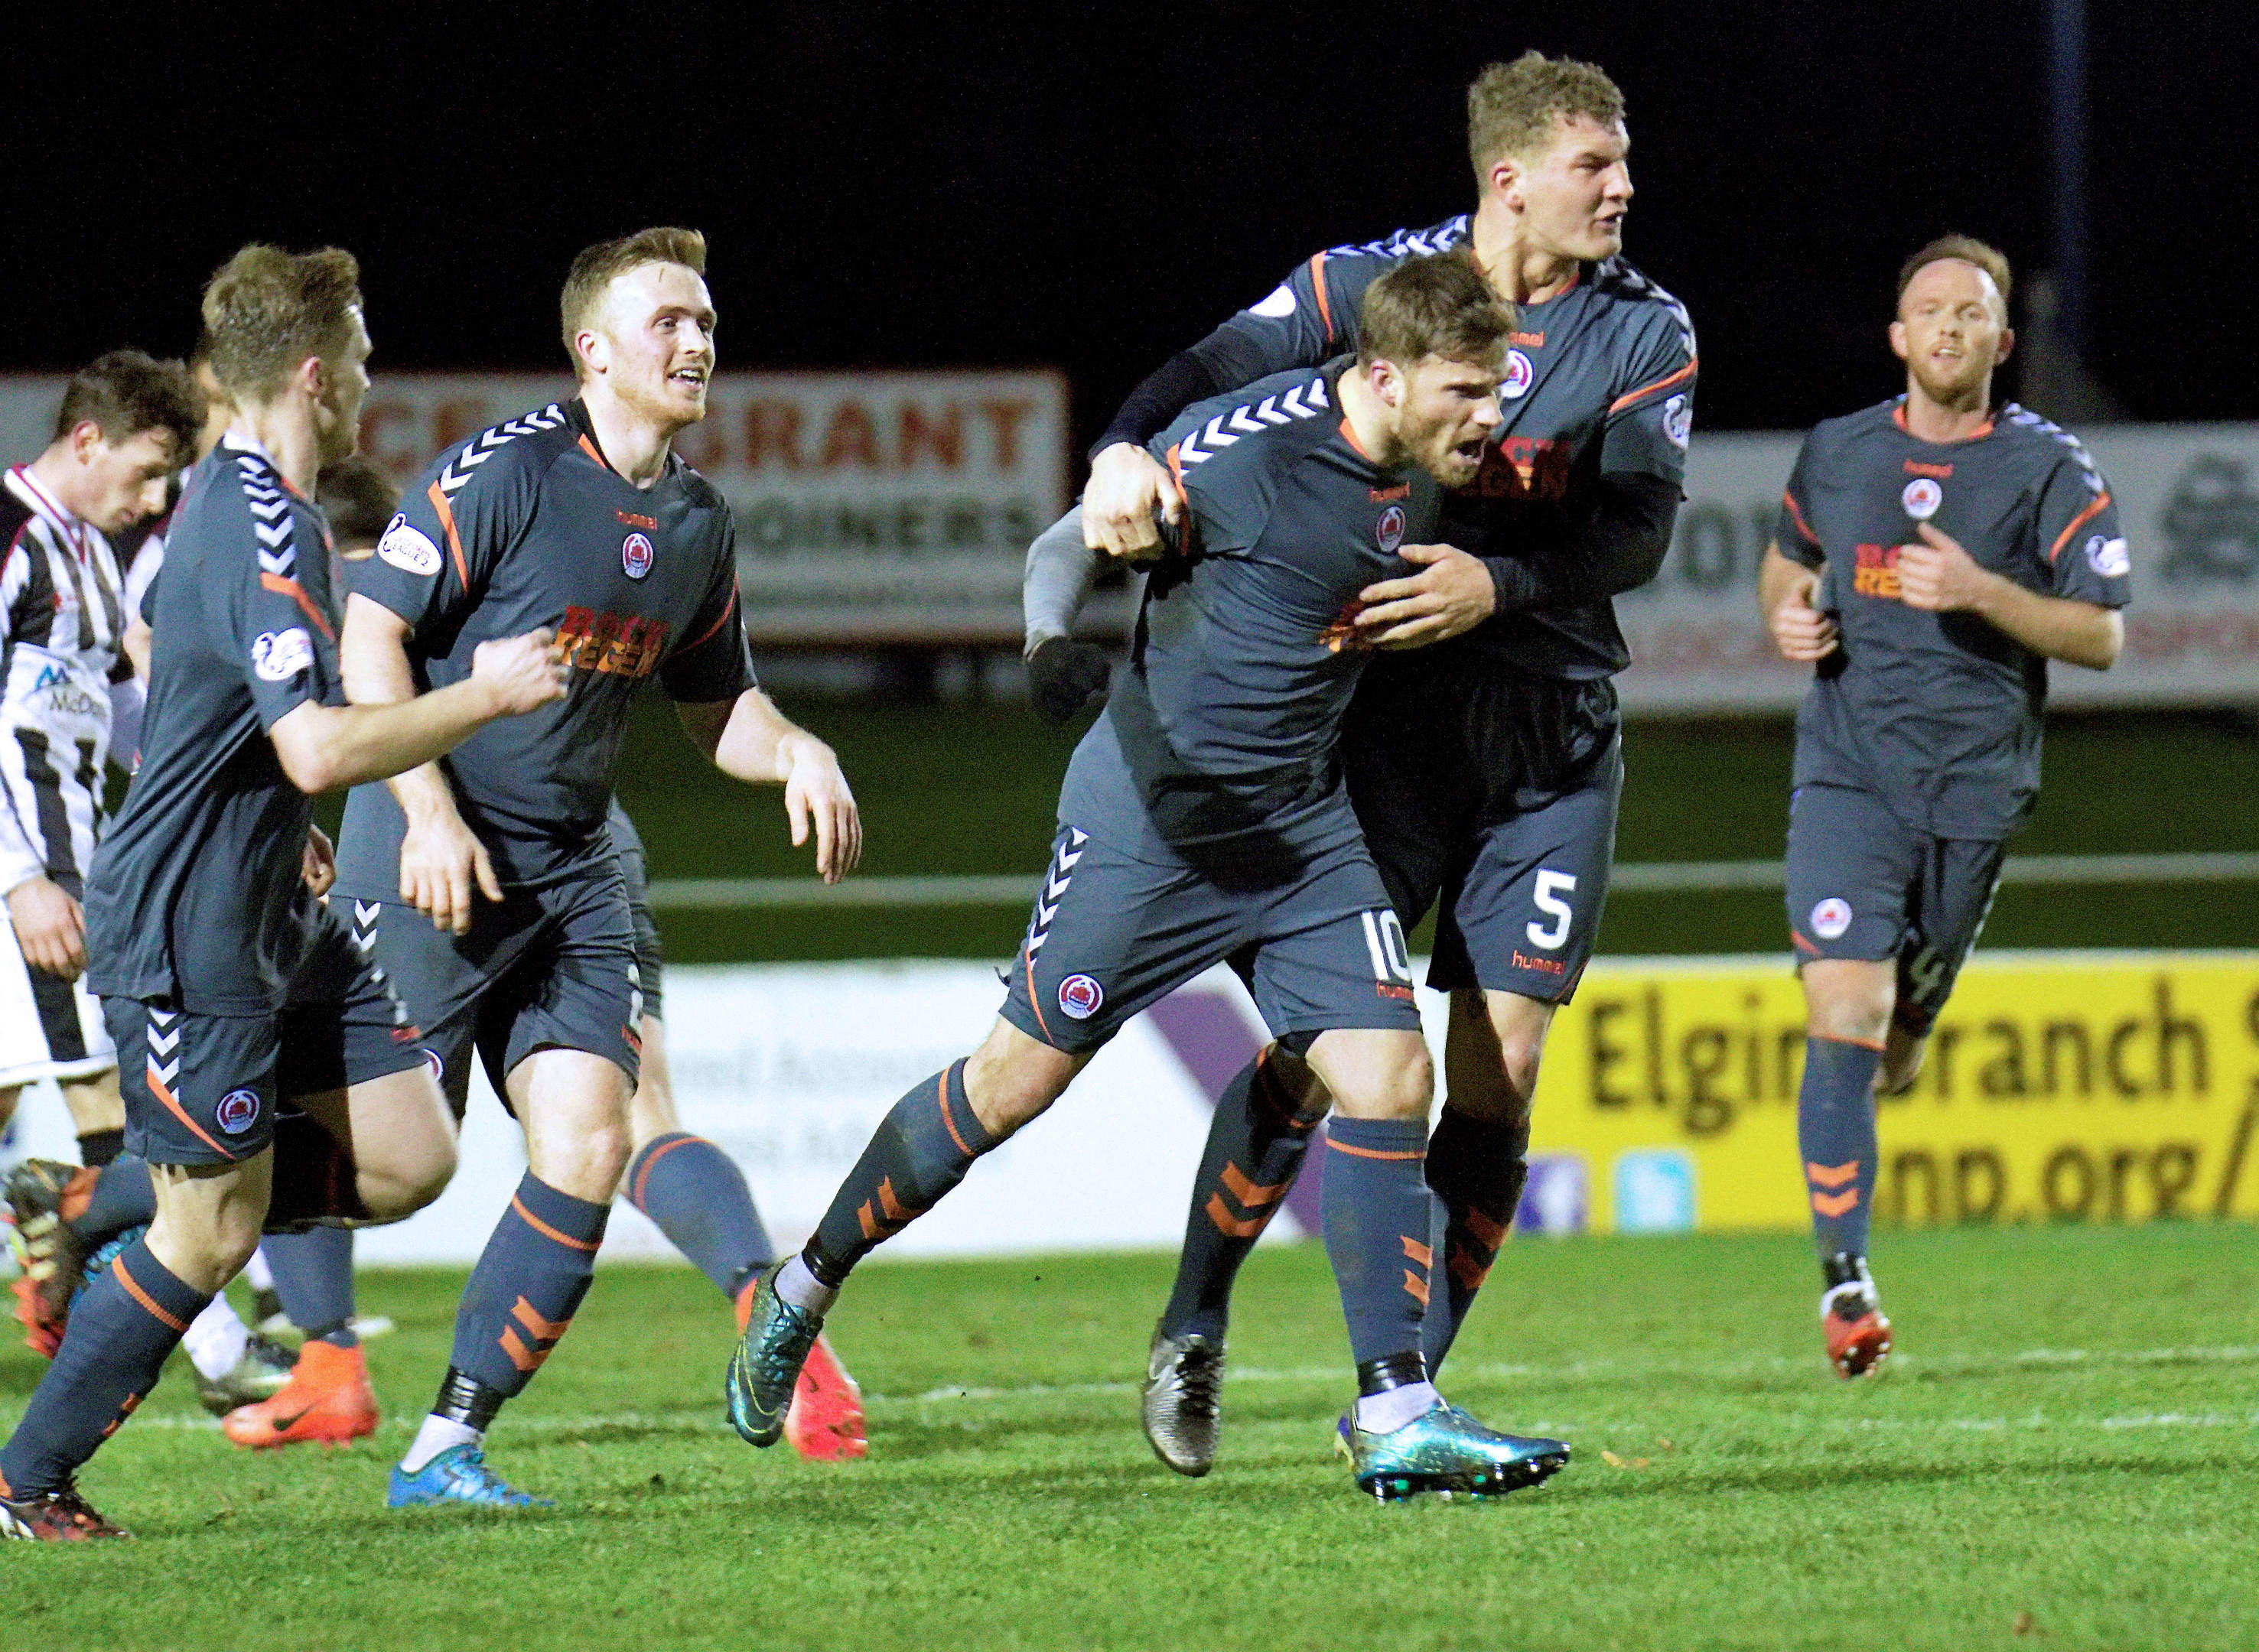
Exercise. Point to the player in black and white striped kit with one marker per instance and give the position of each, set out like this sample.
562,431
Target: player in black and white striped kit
124,423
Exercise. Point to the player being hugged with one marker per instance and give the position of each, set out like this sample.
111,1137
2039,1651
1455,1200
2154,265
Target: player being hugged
272,1077
1933,554
1485,772
490,890
1204,817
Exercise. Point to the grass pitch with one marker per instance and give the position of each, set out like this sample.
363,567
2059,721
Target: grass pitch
2063,1454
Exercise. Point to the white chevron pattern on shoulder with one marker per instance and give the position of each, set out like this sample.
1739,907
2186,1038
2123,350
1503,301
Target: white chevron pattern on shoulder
1637,285
1407,243
270,516
484,446
2041,425
1201,443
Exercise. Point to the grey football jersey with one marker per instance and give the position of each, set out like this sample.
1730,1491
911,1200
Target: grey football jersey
194,895
526,524
1600,378
1223,728
1939,714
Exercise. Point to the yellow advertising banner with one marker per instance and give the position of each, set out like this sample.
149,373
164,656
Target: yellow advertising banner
2103,1086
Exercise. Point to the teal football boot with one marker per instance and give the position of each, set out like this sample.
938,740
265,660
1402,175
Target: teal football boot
758,1389
458,1475
1444,1449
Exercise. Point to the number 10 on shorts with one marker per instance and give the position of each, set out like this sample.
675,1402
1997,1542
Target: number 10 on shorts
1551,886
1392,954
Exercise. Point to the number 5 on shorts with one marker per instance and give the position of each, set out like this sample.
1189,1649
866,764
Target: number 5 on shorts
1546,899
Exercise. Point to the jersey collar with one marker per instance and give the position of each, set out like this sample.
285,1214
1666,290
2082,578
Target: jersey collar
59,517
1899,418
576,412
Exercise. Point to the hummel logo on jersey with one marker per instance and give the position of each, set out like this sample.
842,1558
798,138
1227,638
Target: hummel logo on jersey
1303,402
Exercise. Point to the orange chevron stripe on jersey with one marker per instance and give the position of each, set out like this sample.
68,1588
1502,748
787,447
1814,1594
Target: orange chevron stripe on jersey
296,593
454,541
1831,1175
1623,402
1325,305
1795,510
2101,503
1832,1205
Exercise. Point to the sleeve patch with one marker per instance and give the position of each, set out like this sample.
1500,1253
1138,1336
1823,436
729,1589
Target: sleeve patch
1280,303
1678,421
279,656
2109,557
408,548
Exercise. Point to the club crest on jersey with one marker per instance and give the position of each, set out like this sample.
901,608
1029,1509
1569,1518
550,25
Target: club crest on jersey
635,555
1678,421
432,1065
1921,497
1831,917
1389,531
1519,375
238,1111
1079,997
2109,557
408,548
278,656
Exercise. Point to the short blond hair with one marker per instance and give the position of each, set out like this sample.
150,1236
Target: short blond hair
1966,248
266,310
1512,107
597,266
1439,305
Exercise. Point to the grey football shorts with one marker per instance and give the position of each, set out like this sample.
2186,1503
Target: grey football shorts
1862,885
551,967
201,1089
1492,798
1318,947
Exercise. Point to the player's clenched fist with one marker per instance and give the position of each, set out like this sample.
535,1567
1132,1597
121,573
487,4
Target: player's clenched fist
524,673
817,798
1127,486
1800,631
1939,575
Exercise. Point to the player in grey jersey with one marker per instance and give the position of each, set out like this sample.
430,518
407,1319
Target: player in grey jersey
278,1080
1204,817
1485,772
1933,554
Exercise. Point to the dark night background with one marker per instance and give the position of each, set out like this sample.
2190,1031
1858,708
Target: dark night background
891,184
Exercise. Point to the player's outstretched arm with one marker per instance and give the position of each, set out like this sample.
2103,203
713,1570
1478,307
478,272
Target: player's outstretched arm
1785,591
440,859
323,748
748,739
1941,577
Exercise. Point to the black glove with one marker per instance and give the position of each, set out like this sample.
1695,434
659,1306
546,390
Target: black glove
1064,676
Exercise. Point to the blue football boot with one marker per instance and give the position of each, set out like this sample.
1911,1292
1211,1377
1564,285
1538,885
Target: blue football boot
458,1475
1444,1449
758,1389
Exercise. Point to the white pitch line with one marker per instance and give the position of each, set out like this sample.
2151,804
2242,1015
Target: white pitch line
1661,877
1945,1364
